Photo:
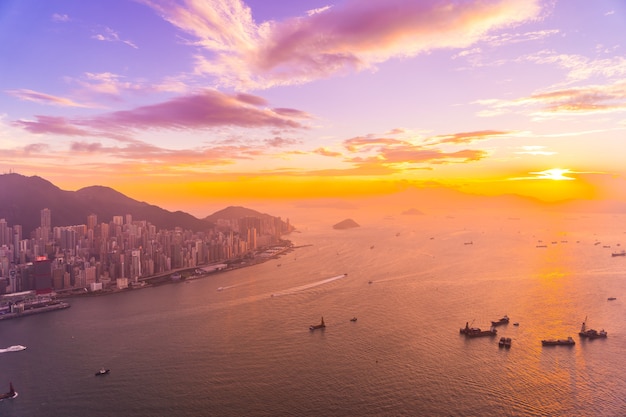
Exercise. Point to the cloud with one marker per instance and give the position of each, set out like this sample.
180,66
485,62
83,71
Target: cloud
405,154
203,110
352,36
42,98
467,137
590,99
326,152
51,124
109,35
60,18
581,68
535,150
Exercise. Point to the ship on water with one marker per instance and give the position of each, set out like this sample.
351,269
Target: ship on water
476,331
591,333
11,394
318,326
504,320
558,342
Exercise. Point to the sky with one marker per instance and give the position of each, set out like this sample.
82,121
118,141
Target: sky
180,102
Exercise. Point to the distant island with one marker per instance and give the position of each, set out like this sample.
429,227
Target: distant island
346,224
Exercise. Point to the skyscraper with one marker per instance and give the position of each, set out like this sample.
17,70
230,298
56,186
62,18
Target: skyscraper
46,224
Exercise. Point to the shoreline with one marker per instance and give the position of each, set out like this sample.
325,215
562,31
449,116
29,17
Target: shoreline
187,274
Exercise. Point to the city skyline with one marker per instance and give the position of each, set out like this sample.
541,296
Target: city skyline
180,103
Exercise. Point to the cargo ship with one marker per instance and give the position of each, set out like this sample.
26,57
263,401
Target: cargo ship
476,331
558,342
503,320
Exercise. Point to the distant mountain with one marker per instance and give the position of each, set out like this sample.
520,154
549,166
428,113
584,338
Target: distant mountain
22,198
234,213
346,224
237,212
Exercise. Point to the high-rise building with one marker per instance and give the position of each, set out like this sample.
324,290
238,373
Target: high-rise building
4,233
92,221
46,224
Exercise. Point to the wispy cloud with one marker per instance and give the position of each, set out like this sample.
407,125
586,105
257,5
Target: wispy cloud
60,18
535,150
353,36
109,35
43,98
590,99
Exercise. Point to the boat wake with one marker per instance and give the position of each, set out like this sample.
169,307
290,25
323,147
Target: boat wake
305,287
15,348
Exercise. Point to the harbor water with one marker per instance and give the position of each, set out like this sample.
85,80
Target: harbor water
238,343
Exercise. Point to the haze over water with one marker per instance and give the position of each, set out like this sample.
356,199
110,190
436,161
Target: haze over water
190,350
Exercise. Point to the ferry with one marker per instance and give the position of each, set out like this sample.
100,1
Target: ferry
558,342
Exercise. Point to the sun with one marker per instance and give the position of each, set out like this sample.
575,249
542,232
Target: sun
556,174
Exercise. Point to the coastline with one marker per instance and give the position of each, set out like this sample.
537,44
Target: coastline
186,274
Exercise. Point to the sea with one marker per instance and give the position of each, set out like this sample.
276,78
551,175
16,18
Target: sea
237,343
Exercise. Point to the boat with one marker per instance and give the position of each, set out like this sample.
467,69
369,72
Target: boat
467,329
477,332
103,371
505,342
318,326
353,319
591,333
611,299
14,348
620,253
503,320
516,324
11,394
558,342
480,333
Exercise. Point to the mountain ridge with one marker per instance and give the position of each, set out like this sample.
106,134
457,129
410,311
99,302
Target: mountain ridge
22,198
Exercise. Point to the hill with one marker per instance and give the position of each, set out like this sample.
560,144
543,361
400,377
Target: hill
22,199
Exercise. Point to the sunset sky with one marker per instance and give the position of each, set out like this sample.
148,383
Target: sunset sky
176,102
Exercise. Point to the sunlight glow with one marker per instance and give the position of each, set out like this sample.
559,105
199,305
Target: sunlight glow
556,174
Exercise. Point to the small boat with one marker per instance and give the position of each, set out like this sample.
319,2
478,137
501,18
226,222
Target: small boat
322,325
505,342
611,298
558,342
353,319
14,348
516,324
591,333
11,394
103,371
503,320
620,253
